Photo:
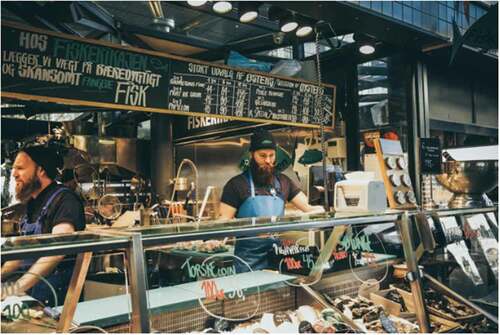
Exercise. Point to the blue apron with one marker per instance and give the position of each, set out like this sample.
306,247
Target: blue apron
252,250
61,275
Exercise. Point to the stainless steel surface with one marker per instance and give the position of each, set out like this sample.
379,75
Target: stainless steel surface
125,153
469,180
229,151
78,127
412,264
180,181
181,184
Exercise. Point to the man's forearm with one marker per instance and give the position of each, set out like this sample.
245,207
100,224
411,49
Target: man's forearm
10,266
42,267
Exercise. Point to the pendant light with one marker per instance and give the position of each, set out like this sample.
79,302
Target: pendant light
222,7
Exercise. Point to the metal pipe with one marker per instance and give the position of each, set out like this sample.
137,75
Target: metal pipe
412,265
195,170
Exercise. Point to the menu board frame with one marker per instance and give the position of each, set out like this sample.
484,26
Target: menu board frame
98,104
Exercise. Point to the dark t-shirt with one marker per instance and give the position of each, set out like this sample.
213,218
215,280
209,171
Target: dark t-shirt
66,207
237,190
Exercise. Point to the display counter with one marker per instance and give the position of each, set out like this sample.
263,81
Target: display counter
323,272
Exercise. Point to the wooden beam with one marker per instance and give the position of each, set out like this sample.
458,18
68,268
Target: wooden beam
74,291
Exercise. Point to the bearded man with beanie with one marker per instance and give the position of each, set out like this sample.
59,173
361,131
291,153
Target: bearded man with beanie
51,208
260,191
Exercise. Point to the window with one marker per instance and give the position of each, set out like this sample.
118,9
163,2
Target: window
387,7
398,11
377,5
407,14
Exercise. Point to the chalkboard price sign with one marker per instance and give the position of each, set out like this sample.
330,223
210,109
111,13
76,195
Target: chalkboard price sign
430,156
46,66
233,93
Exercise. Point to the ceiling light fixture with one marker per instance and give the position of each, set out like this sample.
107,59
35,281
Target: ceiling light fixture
196,3
288,23
366,43
367,49
305,27
248,11
156,9
222,7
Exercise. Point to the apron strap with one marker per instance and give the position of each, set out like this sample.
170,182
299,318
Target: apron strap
252,185
51,198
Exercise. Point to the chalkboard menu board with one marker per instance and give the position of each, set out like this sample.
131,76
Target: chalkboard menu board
430,156
47,66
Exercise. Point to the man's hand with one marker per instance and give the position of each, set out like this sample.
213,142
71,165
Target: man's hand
300,201
226,212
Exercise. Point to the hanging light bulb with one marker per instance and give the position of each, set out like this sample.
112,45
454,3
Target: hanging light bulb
196,3
248,11
222,7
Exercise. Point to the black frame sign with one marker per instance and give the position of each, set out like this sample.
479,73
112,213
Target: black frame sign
47,66
430,156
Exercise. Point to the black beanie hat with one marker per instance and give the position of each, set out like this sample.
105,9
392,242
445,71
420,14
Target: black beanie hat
262,139
45,157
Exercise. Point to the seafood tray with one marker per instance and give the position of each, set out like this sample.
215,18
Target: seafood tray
210,246
439,304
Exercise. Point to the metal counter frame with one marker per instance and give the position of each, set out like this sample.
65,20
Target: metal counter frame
130,242
133,242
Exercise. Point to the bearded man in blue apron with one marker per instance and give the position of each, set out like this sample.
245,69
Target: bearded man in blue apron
51,208
260,191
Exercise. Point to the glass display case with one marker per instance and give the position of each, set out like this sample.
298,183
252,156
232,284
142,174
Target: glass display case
313,273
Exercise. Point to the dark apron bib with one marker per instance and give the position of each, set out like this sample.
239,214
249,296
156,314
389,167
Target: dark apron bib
60,276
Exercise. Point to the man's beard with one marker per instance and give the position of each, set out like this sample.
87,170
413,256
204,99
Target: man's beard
24,190
262,175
